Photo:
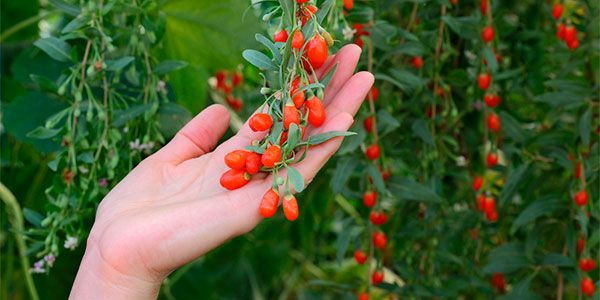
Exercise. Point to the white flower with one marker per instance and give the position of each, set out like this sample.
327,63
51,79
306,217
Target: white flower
348,33
461,161
38,267
160,86
83,170
71,242
50,259
278,95
212,82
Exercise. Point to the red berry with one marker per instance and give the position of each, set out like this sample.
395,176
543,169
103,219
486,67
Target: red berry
487,34
581,198
373,152
477,183
368,123
483,7
573,44
236,159
260,122
316,111
271,156
491,100
305,14
385,174
295,93
234,179
281,36
374,93
454,2
369,198
363,296
290,115
481,202
587,287
317,51
580,245
587,264
379,240
360,257
297,40
253,163
498,282
237,79
268,205
378,218
221,76
348,4
417,61
290,207
301,1
377,277
493,123
557,11
489,205
560,31
570,34
491,216
484,81
492,159
578,168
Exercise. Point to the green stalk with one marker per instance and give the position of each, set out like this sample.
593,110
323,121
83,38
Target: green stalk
16,221
24,24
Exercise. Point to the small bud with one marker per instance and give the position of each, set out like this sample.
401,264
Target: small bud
265,90
328,38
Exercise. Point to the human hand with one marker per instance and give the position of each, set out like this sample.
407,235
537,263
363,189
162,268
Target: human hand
171,208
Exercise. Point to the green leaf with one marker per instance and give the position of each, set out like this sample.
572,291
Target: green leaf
324,10
288,10
585,126
386,123
267,43
490,57
55,48
259,60
421,129
324,137
363,15
376,177
515,179
67,8
564,100
344,169
43,133
466,27
33,217
75,24
169,66
410,190
296,179
408,80
556,259
536,209
119,64
506,259
294,136
512,128
171,118
121,117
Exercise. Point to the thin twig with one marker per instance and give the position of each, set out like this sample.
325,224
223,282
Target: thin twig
436,76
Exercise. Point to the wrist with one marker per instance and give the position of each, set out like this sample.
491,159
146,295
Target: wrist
97,279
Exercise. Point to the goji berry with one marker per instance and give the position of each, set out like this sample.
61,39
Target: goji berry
360,257
268,205
487,34
290,207
368,124
587,264
234,179
290,115
417,62
580,245
490,204
348,4
581,198
374,93
317,51
260,122
570,34
253,163
296,94
492,159
377,277
477,183
297,40
281,36
587,287
560,31
483,7
379,240
492,100
491,216
363,296
271,156
481,202
237,79
499,282
316,111
557,11
236,159
369,198
484,81
373,152
493,123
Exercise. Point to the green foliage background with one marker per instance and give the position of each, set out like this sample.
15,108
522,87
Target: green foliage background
544,118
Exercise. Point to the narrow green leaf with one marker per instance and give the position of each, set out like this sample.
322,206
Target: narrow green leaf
410,190
323,137
169,66
121,117
375,175
515,179
67,8
259,59
421,129
33,217
119,64
343,170
55,48
490,57
43,133
536,209
296,179
556,259
267,43
585,126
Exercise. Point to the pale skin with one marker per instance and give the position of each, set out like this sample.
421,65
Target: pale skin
171,209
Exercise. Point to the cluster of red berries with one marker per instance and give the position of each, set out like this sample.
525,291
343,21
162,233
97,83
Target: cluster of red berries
499,282
290,112
226,82
485,204
360,32
567,33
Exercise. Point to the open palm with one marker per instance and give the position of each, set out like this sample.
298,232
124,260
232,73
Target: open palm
171,208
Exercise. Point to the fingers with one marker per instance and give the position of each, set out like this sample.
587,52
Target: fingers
197,137
346,60
352,94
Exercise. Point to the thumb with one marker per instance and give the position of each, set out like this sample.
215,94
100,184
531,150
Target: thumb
197,137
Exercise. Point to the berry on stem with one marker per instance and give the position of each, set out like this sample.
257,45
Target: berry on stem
260,122
492,159
253,163
587,264
369,198
297,40
360,257
377,277
290,207
581,198
587,287
317,51
316,111
268,205
373,152
493,123
271,156
487,34
295,93
477,183
379,240
234,179
557,11
236,159
492,100
484,81
281,36
290,115
368,124
417,61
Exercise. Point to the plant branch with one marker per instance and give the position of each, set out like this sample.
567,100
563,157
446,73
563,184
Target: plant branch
24,24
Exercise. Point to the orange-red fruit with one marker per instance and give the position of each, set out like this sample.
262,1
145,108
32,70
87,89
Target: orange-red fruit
560,31
290,207
268,205
487,34
492,159
369,198
581,198
587,264
484,81
573,44
417,61
234,179
379,240
360,257
368,123
271,156
236,159
295,93
373,152
297,40
493,123
301,1
374,93
489,205
454,2
317,51
378,218
348,4
483,7
498,282
290,115
363,296
316,111
587,287
281,36
557,11
260,122
570,34
580,245
481,202
253,163
477,183
377,277
578,169
491,100
237,79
